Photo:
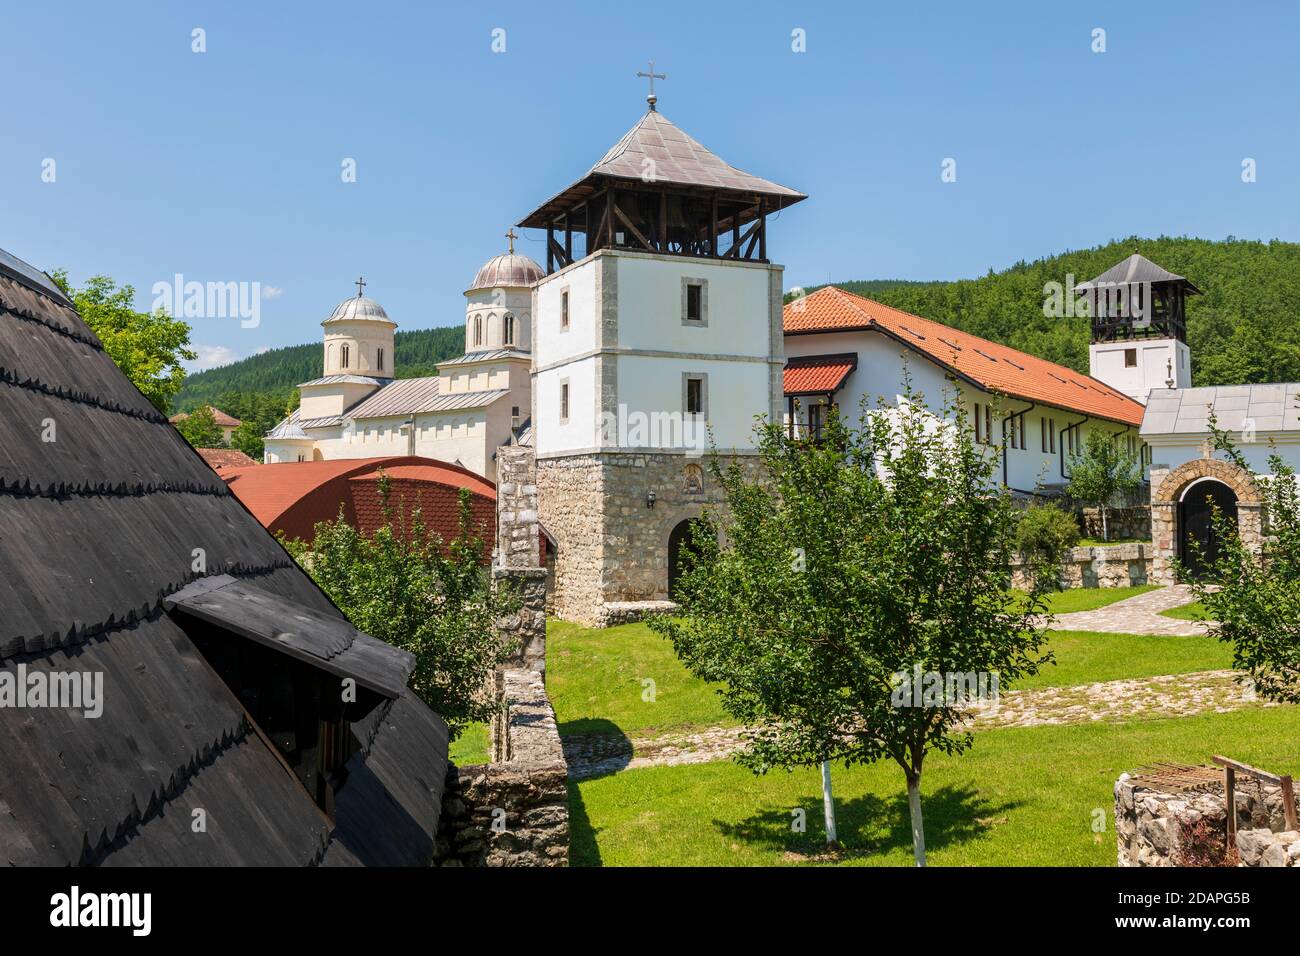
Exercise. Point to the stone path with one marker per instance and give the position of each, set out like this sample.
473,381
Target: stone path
1139,614
1173,695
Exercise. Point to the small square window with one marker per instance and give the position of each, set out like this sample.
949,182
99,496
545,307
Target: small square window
1130,358
695,301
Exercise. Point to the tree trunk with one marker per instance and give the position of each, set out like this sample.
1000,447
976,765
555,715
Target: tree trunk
918,826
828,805
1105,531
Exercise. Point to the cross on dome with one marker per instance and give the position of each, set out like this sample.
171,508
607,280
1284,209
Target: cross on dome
360,284
652,76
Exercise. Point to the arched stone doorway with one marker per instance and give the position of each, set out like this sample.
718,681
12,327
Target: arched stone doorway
1180,510
1198,538
681,540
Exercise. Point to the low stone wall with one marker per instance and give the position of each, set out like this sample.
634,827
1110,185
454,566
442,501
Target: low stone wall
625,612
1134,522
1152,826
1108,566
513,811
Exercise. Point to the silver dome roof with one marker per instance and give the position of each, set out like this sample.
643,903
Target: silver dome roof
507,271
358,308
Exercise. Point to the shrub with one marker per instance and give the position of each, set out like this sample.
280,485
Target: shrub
1044,533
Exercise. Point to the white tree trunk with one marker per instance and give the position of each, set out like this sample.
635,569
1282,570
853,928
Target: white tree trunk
918,826
828,804
1105,532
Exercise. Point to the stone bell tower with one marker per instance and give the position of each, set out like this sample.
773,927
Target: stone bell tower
1139,327
657,336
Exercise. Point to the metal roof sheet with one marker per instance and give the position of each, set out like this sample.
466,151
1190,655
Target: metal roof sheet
1186,411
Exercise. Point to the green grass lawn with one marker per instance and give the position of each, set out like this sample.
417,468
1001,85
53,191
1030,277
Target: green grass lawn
1099,543
594,677
1021,797
471,747
1188,612
1083,657
1085,599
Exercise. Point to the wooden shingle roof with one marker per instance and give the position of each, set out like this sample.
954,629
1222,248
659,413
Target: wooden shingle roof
677,160
98,528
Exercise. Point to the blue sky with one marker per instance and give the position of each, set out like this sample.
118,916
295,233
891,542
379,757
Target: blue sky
225,165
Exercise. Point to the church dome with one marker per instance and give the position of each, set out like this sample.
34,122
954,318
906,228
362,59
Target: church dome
358,308
507,271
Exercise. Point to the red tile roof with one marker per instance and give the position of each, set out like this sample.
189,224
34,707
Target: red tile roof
293,497
991,366
221,418
219,458
818,374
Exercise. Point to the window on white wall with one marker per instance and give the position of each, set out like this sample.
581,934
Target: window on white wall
508,330
478,330
344,354
564,309
564,400
379,359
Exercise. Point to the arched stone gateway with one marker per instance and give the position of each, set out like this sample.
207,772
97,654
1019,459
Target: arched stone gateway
1180,510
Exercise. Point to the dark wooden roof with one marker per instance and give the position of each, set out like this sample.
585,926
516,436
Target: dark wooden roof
98,528
1137,269
679,161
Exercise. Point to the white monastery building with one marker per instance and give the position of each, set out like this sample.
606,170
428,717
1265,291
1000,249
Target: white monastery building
475,404
657,332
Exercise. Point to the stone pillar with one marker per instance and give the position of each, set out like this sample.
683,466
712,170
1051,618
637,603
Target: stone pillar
518,556
1163,528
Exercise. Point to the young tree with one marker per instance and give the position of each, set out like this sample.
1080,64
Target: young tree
1104,470
406,586
149,348
248,439
200,429
850,566
1250,594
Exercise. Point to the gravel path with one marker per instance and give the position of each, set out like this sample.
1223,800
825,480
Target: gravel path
1174,695
1139,614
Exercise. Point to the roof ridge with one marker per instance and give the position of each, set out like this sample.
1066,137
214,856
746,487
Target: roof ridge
86,489
999,345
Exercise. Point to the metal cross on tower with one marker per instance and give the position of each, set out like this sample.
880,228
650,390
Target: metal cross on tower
512,236
361,284
652,76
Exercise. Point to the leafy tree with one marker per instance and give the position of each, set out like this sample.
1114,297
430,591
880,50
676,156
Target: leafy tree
1253,599
201,430
248,439
846,566
149,348
1044,533
1104,470
405,585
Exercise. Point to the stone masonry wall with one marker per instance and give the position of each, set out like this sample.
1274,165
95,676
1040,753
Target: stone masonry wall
516,563
1149,823
513,811
1133,522
1167,489
612,548
1112,566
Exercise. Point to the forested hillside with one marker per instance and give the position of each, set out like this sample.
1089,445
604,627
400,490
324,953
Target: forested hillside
1244,329
275,373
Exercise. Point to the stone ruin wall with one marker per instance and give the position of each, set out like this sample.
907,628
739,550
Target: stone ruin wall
513,811
1149,824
